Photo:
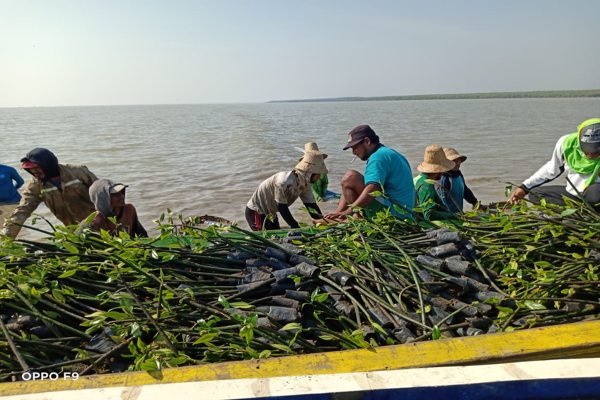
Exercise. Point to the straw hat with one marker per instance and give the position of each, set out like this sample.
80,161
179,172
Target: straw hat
311,147
435,160
312,162
452,154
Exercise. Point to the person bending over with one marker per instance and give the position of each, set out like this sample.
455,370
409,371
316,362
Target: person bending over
277,193
62,187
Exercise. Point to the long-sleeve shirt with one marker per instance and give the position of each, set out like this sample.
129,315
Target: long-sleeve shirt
428,199
281,188
554,168
70,203
10,181
454,182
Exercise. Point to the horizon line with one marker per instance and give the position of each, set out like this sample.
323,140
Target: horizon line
569,93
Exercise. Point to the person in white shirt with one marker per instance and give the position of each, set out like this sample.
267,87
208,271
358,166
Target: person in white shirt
578,154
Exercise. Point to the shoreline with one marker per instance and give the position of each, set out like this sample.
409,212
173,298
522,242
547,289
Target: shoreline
540,94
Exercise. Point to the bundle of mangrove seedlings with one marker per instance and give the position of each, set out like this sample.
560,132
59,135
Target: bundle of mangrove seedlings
91,303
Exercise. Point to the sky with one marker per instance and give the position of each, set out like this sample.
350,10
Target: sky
114,52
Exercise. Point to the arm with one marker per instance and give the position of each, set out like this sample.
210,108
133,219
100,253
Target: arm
469,196
549,171
362,201
284,210
314,210
17,178
30,200
138,229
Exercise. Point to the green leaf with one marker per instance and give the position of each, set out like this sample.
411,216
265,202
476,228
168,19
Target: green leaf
136,330
281,347
68,273
436,333
70,248
265,354
532,305
206,338
378,328
568,212
292,326
150,365
241,305
247,333
223,301
58,295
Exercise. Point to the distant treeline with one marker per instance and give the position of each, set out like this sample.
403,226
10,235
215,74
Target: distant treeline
491,95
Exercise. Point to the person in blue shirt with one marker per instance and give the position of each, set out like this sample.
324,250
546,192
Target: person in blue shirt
387,172
454,182
10,181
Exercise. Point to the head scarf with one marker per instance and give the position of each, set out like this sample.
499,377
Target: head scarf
100,196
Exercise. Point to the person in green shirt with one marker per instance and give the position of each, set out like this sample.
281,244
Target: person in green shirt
431,195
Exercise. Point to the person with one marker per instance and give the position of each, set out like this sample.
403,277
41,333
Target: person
578,154
319,188
10,182
432,197
454,182
62,187
109,200
387,174
275,194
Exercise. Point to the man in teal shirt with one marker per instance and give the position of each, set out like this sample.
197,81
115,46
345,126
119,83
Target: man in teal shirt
387,171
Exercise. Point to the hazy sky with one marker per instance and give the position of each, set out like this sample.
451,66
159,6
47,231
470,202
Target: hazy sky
93,52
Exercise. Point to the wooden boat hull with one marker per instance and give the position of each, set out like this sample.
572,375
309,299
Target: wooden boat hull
486,362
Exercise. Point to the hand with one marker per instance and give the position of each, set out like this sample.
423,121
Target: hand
321,221
338,216
481,207
517,195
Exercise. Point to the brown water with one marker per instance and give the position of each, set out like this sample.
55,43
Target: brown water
208,159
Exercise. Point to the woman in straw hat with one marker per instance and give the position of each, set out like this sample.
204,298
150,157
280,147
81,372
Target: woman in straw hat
431,195
275,194
454,182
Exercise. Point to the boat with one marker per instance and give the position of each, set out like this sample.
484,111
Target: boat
552,362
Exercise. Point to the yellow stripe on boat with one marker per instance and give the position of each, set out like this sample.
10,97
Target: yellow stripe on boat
573,340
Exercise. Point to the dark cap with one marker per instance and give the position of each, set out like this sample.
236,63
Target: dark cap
360,133
590,139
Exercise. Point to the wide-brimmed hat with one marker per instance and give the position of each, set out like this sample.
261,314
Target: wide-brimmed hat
360,133
313,163
311,147
435,160
452,154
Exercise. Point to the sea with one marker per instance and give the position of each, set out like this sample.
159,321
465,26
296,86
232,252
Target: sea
207,159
